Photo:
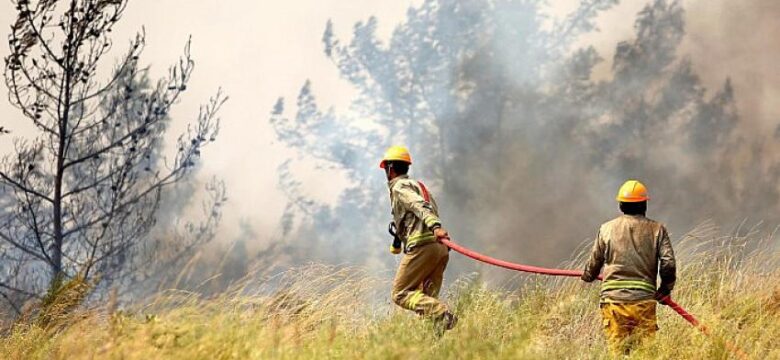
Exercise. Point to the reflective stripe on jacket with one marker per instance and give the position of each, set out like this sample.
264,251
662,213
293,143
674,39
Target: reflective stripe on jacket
412,213
634,250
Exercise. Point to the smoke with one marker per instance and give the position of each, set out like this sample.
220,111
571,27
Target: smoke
739,39
523,146
653,119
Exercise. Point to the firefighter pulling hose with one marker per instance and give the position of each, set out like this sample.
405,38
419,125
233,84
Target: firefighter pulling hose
666,299
632,249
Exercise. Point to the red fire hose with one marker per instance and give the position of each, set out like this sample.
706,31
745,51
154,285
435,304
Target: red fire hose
666,300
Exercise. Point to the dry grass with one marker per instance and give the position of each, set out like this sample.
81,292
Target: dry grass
328,312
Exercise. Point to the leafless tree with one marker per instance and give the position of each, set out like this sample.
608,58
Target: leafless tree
82,197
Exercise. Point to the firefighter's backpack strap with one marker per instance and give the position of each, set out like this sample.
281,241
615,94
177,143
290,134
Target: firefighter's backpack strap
426,195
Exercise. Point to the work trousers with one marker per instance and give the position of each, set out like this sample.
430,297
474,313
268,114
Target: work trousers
626,324
419,278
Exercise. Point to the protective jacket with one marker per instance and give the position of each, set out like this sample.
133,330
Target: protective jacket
413,215
634,250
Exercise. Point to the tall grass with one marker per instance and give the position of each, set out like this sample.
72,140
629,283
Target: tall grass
732,284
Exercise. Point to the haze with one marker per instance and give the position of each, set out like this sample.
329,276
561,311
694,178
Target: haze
260,50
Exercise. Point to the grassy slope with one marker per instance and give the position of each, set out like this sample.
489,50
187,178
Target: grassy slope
326,312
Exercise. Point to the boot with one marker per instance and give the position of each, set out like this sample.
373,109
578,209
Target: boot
446,321
449,320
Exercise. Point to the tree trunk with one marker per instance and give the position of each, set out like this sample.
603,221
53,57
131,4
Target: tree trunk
56,265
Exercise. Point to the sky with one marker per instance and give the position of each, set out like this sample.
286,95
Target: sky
257,51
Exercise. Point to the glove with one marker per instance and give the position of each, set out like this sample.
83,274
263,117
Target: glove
662,292
397,246
441,233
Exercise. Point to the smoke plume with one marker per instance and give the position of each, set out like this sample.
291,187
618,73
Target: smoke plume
522,146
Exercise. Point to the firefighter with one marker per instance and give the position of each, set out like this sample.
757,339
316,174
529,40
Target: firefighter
633,250
415,217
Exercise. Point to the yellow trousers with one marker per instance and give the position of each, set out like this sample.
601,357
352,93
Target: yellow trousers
626,324
419,278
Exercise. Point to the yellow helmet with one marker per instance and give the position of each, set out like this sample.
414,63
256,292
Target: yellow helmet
632,191
396,153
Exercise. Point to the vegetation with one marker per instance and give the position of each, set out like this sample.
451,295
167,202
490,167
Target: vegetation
81,196
500,104
330,312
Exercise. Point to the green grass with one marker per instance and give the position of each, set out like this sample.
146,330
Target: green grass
325,312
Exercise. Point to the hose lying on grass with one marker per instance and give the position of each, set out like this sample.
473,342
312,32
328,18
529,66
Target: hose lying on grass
666,300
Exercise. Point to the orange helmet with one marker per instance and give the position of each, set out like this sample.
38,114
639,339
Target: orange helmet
396,153
632,191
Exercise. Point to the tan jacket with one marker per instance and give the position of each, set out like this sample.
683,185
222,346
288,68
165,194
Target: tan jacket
413,216
634,250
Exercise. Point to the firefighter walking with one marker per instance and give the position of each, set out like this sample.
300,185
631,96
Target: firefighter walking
633,250
417,225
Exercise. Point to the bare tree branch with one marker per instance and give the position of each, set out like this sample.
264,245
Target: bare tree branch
22,187
84,197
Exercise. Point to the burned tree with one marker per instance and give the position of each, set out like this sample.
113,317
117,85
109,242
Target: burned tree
82,196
